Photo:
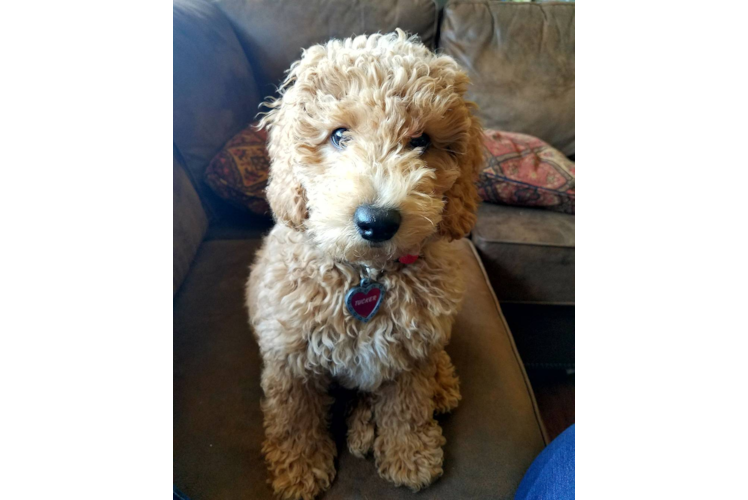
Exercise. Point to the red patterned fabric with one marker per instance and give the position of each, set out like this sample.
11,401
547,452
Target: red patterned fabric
519,170
523,170
239,172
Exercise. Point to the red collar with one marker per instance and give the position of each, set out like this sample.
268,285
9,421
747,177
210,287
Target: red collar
408,259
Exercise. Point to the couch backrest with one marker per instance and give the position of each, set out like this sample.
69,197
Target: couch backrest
273,32
520,57
230,54
215,94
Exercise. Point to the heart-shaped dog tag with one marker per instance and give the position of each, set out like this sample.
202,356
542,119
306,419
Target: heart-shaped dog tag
363,301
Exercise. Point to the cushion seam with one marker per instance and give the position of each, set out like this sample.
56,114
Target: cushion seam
523,243
435,42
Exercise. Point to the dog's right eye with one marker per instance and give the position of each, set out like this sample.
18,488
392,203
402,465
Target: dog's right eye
337,138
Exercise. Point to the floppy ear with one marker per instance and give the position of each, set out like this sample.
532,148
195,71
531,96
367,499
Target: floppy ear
285,194
462,199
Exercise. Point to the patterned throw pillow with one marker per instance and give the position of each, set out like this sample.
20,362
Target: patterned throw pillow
239,172
523,170
519,170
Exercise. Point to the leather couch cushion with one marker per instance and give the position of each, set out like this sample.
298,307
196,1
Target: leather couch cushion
528,253
273,32
492,437
520,57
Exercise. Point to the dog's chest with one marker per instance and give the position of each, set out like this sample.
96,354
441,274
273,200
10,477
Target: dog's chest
414,318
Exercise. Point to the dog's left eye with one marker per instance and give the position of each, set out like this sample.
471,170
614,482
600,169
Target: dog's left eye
337,138
422,141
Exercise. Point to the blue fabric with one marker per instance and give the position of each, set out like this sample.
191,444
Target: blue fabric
551,475
178,495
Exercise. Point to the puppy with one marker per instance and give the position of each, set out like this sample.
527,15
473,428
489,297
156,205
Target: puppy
374,153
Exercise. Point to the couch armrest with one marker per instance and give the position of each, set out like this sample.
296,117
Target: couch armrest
190,224
215,94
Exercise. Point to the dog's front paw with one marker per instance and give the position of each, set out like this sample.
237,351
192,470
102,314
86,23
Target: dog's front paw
300,470
410,458
361,428
446,385
360,440
447,395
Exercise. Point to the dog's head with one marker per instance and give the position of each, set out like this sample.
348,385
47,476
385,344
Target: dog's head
374,149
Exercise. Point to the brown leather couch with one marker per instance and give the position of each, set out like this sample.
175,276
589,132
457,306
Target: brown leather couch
228,55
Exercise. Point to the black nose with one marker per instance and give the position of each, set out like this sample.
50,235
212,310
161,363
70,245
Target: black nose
376,224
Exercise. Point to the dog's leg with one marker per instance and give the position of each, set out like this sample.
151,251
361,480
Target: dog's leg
361,426
298,448
447,390
407,448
